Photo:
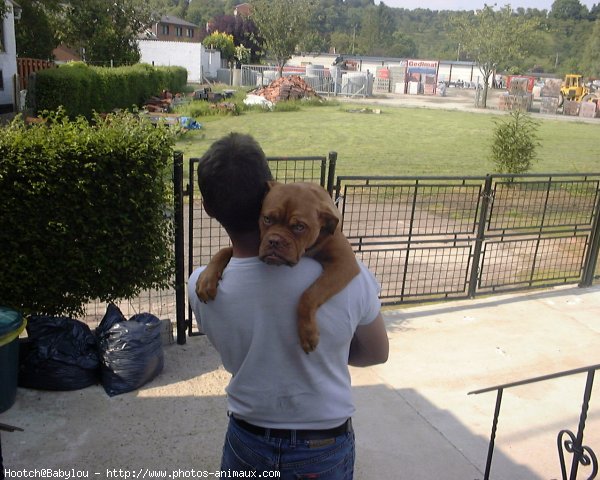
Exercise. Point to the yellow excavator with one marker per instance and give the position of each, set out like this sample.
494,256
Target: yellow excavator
574,88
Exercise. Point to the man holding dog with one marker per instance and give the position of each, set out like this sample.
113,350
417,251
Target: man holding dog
289,411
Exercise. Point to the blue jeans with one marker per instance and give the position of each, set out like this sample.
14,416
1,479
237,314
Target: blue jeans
293,459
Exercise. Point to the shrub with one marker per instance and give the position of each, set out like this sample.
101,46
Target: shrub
81,89
83,211
515,141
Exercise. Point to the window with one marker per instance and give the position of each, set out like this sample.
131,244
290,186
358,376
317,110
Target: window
1,34
1,80
178,31
165,29
190,33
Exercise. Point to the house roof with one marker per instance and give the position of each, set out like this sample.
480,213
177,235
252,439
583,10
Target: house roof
176,21
243,9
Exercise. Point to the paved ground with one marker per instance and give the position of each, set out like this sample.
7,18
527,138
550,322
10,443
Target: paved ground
458,99
415,419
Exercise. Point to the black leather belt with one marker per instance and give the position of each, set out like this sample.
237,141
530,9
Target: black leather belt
299,434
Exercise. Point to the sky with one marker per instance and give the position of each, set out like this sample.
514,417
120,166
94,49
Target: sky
475,4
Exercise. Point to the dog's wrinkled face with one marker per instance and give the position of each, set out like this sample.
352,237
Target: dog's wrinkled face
295,217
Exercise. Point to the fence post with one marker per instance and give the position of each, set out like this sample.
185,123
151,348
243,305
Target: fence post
591,258
485,202
179,247
331,172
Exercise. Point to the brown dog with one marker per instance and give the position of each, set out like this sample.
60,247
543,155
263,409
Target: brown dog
297,219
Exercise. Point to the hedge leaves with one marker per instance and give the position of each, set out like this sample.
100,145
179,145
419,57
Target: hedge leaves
83,211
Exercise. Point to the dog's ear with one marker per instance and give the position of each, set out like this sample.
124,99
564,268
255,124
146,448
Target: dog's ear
329,217
269,184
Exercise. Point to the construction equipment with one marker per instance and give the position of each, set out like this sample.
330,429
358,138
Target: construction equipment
574,88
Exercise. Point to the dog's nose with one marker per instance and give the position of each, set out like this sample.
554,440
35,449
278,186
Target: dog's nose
274,242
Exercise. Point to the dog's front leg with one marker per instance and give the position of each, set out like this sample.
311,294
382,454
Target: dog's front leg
333,280
206,285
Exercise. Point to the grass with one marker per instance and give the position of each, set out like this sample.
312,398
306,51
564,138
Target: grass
399,141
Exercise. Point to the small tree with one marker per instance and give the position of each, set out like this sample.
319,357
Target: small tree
282,24
222,42
515,141
242,55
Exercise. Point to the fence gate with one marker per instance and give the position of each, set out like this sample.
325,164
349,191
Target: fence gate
205,236
435,238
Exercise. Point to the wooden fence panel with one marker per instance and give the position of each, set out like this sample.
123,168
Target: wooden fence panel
27,66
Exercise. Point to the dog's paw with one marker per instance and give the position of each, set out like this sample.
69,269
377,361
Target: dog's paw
206,287
309,335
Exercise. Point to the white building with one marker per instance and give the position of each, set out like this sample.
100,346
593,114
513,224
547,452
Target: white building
8,56
201,63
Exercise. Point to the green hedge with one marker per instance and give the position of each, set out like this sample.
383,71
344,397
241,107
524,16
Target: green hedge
84,211
81,89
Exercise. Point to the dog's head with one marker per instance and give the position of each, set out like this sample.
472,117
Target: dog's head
296,218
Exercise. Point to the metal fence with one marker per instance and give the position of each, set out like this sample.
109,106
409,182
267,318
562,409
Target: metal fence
435,238
329,81
424,238
567,441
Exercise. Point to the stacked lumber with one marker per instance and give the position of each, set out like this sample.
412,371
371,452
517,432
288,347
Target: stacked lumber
382,85
549,105
588,110
286,88
511,102
571,108
518,86
160,104
551,88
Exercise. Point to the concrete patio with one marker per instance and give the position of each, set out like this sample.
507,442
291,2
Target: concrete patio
414,420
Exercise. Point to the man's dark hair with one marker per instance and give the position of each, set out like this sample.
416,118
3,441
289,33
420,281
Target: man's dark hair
233,176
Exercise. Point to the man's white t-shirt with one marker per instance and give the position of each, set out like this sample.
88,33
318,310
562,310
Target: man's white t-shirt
253,325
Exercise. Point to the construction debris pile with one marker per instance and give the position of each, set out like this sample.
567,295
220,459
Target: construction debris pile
162,104
286,88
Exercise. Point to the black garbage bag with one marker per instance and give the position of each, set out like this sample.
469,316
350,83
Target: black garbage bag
131,350
59,353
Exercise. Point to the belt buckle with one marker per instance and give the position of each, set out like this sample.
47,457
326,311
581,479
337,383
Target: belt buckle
321,443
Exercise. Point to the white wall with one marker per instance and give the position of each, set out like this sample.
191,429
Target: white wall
459,71
8,58
198,61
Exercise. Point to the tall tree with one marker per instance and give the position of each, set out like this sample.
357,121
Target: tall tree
35,32
201,12
568,10
591,52
493,39
376,30
106,31
282,24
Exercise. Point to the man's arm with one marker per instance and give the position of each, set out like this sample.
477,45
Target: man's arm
370,345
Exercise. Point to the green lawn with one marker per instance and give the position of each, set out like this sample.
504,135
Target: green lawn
400,141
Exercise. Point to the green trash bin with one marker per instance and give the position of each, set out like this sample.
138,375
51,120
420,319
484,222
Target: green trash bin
12,324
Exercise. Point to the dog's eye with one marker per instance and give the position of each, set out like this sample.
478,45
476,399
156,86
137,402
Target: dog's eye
299,227
267,220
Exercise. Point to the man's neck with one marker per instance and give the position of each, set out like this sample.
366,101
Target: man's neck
245,244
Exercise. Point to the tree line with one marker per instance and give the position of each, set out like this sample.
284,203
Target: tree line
565,38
